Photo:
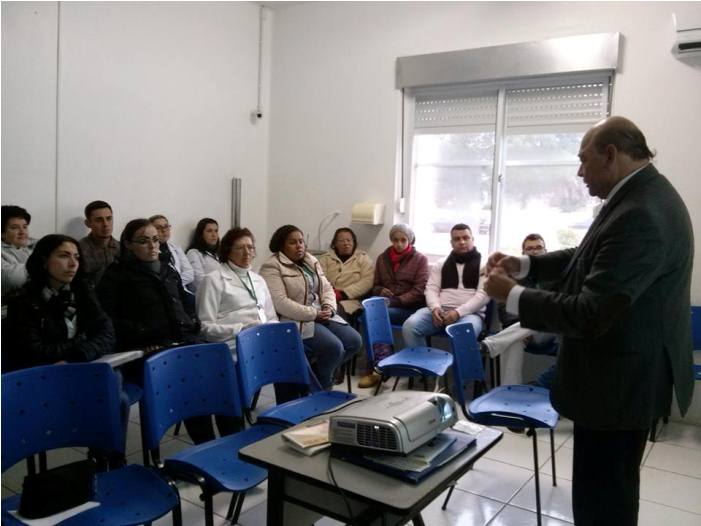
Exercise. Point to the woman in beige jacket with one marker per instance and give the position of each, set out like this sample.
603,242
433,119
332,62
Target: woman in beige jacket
301,293
350,272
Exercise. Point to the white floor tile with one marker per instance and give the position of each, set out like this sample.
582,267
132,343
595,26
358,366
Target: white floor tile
654,514
518,450
513,516
677,459
671,489
555,502
494,480
563,465
680,435
7,492
464,509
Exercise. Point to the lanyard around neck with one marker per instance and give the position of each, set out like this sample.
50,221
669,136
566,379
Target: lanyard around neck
251,290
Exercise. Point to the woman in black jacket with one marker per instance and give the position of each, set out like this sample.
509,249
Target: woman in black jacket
146,301
56,318
144,296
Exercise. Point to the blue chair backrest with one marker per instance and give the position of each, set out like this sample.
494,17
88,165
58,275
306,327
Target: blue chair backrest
55,406
270,353
183,382
377,328
467,362
696,327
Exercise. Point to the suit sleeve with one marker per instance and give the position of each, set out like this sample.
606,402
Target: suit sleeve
626,261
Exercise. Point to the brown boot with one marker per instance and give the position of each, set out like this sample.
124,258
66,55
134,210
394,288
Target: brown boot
369,380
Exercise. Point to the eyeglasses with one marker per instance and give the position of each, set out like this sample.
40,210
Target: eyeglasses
146,240
244,248
161,228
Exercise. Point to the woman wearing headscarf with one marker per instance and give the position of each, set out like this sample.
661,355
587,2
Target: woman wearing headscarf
401,273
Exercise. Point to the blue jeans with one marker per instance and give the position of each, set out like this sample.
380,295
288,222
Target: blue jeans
420,324
333,343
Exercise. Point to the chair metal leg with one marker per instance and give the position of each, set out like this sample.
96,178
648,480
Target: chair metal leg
31,465
532,432
176,432
232,505
447,497
348,377
396,381
552,455
239,505
208,509
425,382
42,462
353,363
255,400
418,521
497,370
379,384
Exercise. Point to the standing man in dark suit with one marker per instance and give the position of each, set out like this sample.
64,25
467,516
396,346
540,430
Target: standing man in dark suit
621,304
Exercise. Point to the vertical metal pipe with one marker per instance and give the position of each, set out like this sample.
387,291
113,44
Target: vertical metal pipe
235,202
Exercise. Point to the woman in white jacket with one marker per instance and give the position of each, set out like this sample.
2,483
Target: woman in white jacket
233,297
202,252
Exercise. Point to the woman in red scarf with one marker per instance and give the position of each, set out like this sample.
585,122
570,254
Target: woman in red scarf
400,276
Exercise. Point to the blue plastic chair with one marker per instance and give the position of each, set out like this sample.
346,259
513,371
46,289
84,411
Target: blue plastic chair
198,380
424,362
273,353
514,406
77,405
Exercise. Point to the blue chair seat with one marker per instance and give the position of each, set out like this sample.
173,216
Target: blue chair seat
296,411
520,406
217,461
127,496
416,361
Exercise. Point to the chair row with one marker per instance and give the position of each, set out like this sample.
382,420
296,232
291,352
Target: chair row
77,405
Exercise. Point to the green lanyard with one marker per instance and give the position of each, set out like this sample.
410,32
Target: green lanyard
251,290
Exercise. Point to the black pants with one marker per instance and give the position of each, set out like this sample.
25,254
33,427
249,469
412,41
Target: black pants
606,476
201,430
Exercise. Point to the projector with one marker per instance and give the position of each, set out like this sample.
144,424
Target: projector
396,422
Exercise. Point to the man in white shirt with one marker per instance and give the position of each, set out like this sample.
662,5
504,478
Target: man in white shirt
177,258
454,292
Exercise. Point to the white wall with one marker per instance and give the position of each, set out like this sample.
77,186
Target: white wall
154,104
335,109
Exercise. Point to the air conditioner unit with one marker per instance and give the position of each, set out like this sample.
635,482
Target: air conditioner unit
687,30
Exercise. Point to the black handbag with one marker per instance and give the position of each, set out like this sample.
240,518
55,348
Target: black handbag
57,489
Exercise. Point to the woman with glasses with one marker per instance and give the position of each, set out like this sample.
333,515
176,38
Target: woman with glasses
202,252
170,252
301,293
233,297
146,301
145,297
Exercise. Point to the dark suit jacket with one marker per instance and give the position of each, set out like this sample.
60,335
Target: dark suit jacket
622,307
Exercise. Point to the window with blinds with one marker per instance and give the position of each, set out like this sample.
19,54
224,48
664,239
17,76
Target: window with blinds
502,159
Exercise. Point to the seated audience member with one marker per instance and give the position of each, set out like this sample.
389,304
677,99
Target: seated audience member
144,297
401,273
171,253
146,302
55,317
301,293
454,292
202,252
349,270
99,249
234,297
16,248
510,342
